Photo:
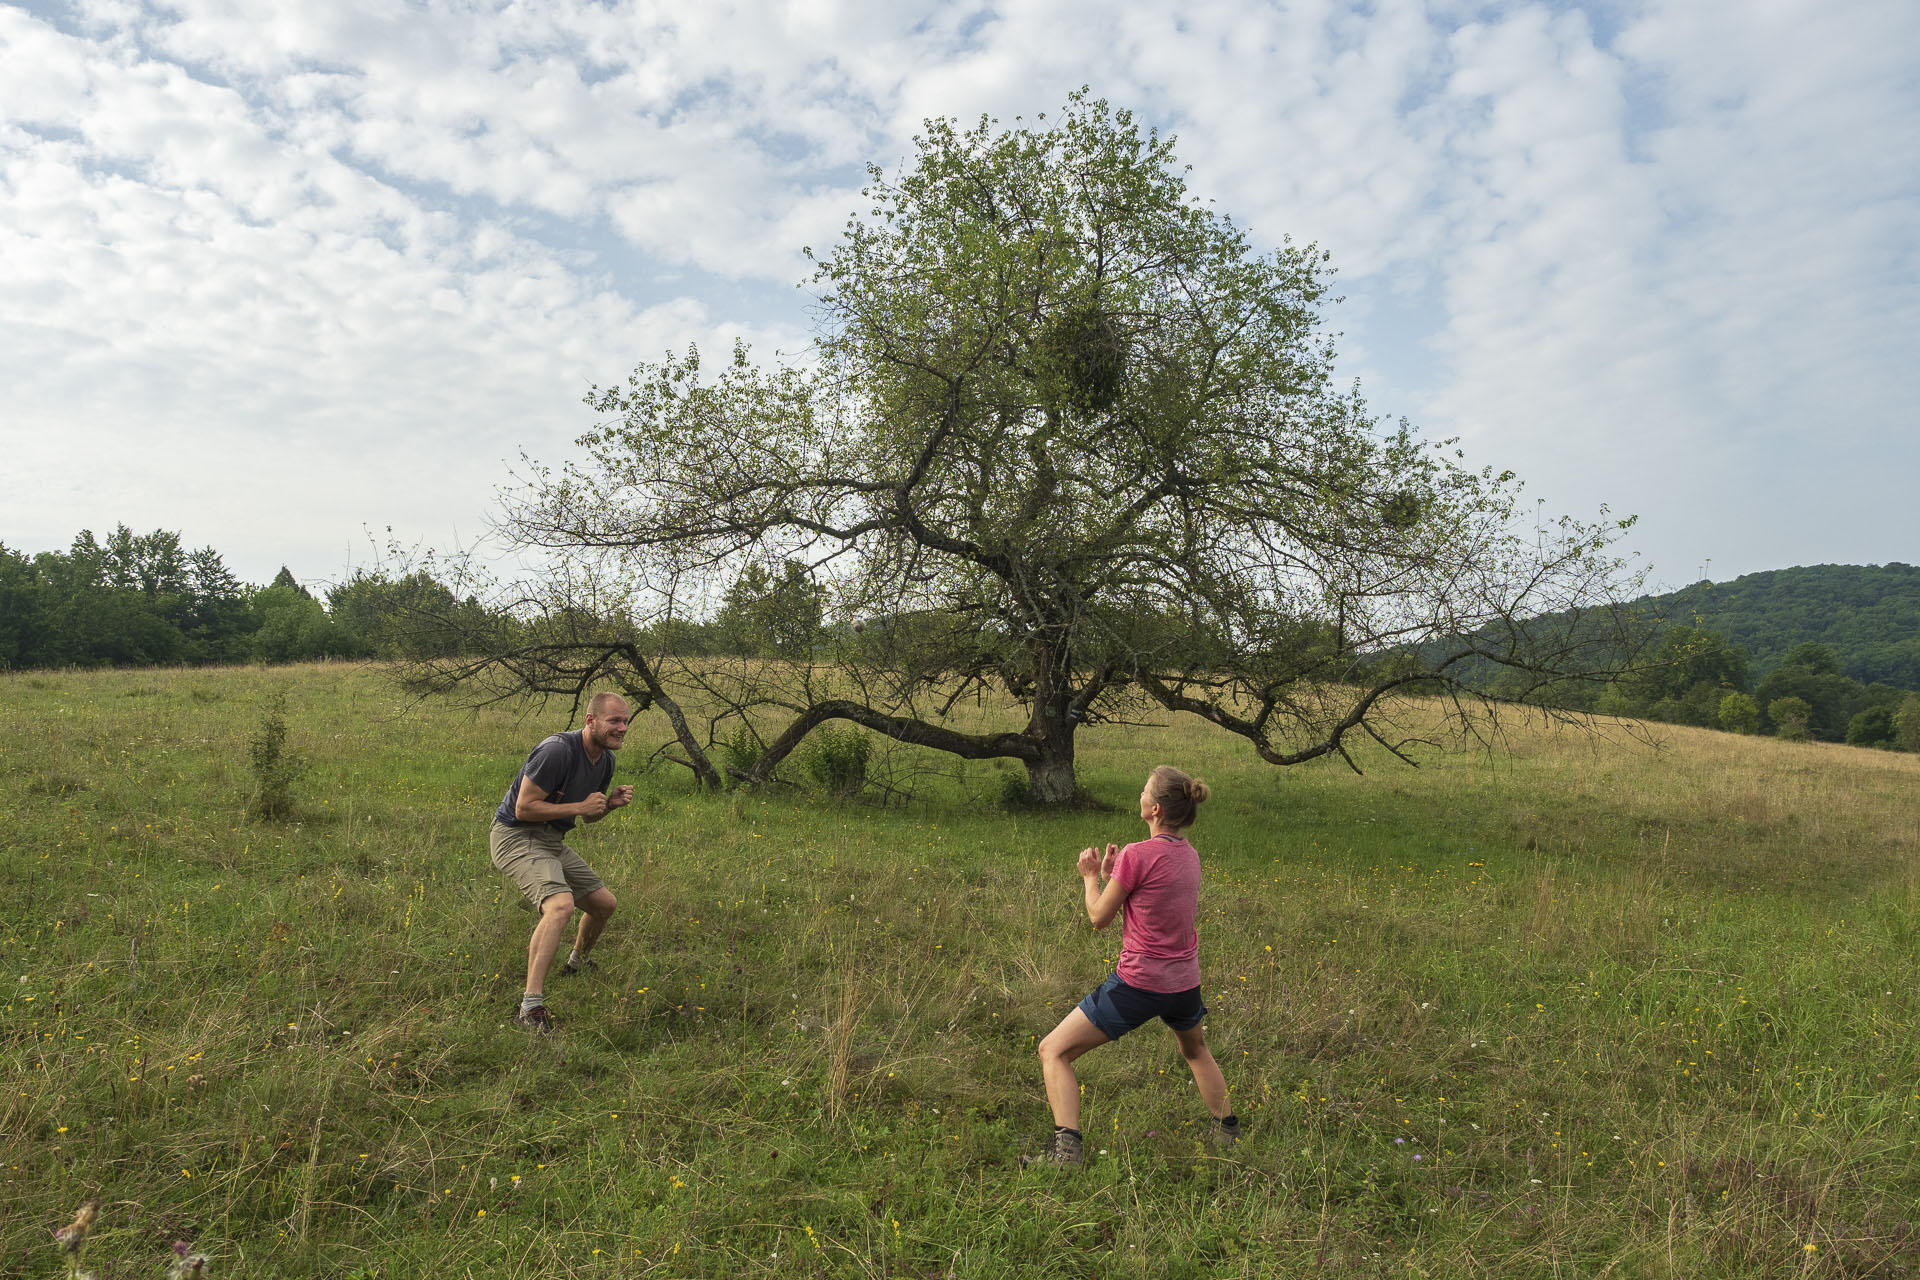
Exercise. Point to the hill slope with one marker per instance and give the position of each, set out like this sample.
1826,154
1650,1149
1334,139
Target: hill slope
1869,615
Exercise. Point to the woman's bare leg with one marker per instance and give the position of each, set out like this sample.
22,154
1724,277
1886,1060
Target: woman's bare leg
1206,1072
1074,1036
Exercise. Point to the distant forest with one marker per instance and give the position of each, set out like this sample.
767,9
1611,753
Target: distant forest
1869,615
1826,652
144,600
1829,652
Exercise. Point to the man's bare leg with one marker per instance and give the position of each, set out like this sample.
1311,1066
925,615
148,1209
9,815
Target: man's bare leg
598,907
555,910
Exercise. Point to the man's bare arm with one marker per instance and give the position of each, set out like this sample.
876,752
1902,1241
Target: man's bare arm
531,805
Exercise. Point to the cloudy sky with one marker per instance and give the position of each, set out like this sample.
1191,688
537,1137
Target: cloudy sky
284,274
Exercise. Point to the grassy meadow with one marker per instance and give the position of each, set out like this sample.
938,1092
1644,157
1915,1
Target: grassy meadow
1579,1006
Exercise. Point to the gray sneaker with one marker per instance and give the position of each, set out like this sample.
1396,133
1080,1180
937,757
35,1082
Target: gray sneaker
1063,1150
1222,1134
587,964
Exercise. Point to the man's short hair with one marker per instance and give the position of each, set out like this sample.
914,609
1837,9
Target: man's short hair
597,708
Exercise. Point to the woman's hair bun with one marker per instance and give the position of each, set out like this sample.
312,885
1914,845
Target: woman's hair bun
1177,794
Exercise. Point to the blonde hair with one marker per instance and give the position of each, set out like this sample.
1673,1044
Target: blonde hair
1178,795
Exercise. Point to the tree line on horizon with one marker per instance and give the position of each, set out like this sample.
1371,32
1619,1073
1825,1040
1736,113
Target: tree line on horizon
143,600
1827,653
132,600
1699,677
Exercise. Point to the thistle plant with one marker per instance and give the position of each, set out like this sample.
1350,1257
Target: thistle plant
186,1264
72,1239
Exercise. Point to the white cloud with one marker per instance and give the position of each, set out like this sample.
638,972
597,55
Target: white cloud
372,251
255,333
1701,320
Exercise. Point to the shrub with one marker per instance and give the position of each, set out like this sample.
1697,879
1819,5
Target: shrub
838,760
737,751
1617,701
1906,723
1739,713
275,768
1873,727
1790,716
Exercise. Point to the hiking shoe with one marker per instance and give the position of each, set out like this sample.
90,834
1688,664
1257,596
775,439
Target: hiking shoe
535,1019
1222,1134
1063,1150
587,964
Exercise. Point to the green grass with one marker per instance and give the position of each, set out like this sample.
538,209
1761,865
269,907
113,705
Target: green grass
1581,1004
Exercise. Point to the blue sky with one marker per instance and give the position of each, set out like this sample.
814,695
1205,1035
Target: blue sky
285,277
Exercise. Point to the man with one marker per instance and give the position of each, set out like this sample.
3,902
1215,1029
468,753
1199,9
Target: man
564,780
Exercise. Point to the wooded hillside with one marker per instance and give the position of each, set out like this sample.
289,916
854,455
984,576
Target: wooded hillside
1869,615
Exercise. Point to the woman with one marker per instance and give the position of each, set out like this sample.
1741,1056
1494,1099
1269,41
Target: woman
1154,884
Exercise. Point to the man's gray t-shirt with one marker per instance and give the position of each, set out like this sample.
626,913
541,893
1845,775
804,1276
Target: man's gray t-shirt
560,768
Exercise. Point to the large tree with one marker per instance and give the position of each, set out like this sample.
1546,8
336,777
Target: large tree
1067,435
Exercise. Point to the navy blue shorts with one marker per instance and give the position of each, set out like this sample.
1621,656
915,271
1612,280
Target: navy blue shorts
1117,1008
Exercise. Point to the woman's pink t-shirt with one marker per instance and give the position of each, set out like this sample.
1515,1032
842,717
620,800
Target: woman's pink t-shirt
1159,946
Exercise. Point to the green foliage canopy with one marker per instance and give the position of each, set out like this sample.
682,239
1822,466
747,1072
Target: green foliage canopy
1739,713
1871,727
1066,418
144,600
1790,716
1906,723
132,599
771,615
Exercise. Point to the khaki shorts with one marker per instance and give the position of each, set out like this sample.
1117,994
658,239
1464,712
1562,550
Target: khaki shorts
537,859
